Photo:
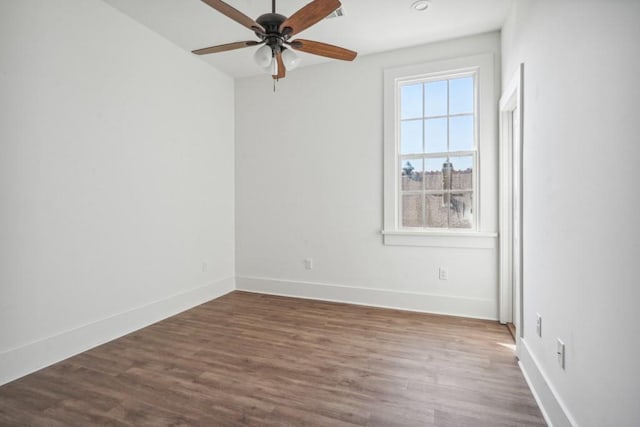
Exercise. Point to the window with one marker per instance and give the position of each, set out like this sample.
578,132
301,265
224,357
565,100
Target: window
437,152
433,139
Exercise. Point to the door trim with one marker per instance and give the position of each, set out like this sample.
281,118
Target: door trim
510,101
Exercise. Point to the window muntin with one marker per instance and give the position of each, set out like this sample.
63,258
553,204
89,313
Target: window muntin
437,151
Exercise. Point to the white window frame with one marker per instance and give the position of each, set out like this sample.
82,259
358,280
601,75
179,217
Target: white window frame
481,66
401,158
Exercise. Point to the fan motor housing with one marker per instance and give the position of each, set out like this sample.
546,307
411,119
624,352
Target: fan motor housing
271,22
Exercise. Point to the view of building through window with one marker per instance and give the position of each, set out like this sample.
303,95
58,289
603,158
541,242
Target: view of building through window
437,153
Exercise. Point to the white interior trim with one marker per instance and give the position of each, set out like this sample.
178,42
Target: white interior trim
453,239
29,358
553,409
510,101
411,301
483,66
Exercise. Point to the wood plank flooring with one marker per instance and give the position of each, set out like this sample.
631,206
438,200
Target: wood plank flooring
260,360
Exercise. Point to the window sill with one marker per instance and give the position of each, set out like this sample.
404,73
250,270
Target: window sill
440,239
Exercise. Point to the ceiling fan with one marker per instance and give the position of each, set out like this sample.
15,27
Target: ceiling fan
275,30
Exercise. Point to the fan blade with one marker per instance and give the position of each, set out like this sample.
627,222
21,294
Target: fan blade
282,71
310,14
225,47
323,49
235,14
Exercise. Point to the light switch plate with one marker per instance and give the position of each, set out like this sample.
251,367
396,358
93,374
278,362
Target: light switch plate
561,353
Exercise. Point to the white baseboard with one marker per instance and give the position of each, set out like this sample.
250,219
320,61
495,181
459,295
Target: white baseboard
411,301
554,411
29,358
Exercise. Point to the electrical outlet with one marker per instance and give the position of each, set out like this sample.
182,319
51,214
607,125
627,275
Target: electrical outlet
560,353
539,324
443,274
308,263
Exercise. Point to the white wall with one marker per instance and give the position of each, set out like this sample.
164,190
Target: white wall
116,179
309,185
581,201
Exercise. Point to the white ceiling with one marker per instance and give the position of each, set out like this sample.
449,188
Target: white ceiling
368,26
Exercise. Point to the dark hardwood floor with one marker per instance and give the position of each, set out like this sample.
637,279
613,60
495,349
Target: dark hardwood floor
250,359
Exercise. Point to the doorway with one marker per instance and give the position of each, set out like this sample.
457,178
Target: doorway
511,188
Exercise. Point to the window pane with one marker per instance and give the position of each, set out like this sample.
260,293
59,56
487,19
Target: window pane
461,95
436,118
435,135
436,215
433,173
411,174
461,133
435,102
411,137
411,101
412,210
462,176
460,212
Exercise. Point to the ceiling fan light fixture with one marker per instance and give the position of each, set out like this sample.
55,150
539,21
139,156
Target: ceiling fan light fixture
420,5
290,59
263,56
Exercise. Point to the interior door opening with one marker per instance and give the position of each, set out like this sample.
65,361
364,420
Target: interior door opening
511,206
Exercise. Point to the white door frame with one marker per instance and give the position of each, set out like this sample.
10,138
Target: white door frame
511,140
